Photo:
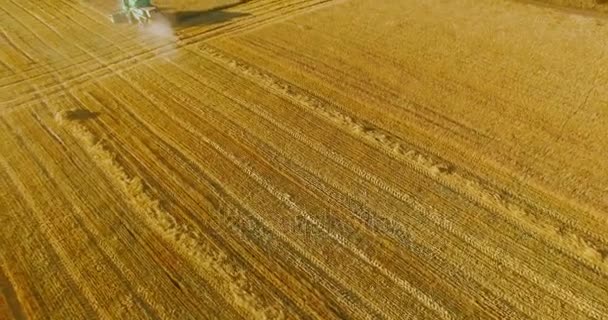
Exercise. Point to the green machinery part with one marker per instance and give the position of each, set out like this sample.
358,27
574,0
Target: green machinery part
134,4
138,10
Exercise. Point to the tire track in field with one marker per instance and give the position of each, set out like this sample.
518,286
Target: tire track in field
61,83
192,130
186,40
53,13
564,294
185,100
318,5
436,217
39,249
76,277
125,303
184,237
84,204
135,59
33,87
32,76
8,296
465,183
400,106
547,195
94,271
38,93
233,205
428,302
20,52
159,97
198,77
243,137
81,207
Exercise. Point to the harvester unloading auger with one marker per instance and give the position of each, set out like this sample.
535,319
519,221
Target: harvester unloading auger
134,11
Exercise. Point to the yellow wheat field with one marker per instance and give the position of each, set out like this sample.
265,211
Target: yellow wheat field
314,159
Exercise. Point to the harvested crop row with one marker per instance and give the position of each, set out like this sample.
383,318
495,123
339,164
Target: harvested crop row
318,159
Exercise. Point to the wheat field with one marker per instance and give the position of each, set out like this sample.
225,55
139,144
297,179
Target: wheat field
304,159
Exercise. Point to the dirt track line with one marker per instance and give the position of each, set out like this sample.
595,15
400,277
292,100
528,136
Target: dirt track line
286,198
259,82
11,44
436,217
61,85
244,105
321,4
44,10
470,187
144,95
8,295
428,302
39,248
234,205
185,238
195,132
182,124
572,10
38,93
83,49
152,297
564,294
139,294
539,188
124,41
16,74
133,61
347,203
15,46
145,51
403,105
84,73
64,256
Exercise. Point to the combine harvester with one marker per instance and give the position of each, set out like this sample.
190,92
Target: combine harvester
139,11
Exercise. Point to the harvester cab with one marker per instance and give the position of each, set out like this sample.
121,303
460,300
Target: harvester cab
134,11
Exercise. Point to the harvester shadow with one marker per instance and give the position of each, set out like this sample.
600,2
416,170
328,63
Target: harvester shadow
182,19
80,114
